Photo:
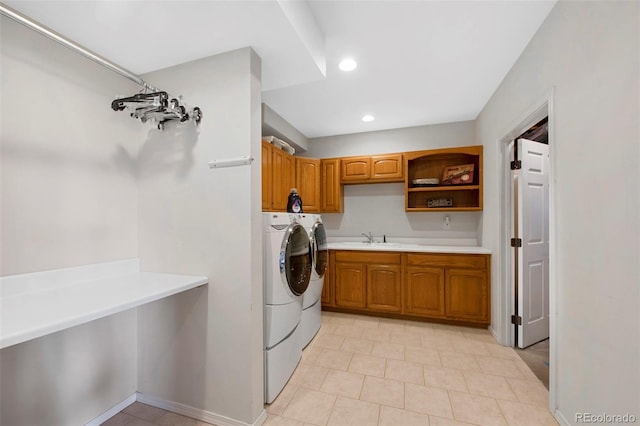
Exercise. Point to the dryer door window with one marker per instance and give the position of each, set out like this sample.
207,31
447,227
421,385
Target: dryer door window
319,249
295,258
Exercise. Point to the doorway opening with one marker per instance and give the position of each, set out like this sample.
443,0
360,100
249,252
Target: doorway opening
529,165
534,305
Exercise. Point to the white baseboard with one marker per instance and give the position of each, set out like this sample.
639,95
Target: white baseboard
561,419
196,413
96,421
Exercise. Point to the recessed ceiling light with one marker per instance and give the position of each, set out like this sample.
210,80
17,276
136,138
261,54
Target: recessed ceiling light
367,118
348,64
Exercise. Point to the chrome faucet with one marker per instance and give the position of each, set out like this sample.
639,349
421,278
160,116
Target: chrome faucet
369,237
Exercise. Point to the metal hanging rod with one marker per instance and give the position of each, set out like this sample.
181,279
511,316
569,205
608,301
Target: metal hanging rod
30,23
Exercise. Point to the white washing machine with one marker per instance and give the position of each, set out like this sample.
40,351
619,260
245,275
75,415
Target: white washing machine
311,304
287,271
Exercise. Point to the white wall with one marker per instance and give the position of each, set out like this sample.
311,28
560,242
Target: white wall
588,52
205,350
368,207
67,198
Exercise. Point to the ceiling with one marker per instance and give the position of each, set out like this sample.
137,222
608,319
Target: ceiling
419,62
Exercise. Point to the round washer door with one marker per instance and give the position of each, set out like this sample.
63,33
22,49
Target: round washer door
319,249
295,259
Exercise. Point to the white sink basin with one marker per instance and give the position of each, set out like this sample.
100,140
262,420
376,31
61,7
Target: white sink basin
366,244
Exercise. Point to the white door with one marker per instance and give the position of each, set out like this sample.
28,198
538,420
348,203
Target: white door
533,229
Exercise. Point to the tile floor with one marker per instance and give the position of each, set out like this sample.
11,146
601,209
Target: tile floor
139,414
362,370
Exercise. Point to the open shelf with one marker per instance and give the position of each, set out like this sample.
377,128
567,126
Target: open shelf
432,164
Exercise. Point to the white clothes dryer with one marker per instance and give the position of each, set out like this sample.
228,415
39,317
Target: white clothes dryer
311,305
287,271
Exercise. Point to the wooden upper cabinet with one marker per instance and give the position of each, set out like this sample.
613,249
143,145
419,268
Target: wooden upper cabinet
308,183
387,167
373,169
330,186
278,177
356,169
267,172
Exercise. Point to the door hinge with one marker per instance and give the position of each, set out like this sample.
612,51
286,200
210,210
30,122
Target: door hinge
516,165
516,319
516,242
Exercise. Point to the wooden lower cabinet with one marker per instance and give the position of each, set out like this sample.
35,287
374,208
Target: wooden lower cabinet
444,287
467,294
425,290
367,280
384,292
350,287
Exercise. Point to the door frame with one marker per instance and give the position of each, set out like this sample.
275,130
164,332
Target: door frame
541,109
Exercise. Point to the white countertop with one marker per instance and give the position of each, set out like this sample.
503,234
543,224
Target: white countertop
414,248
46,308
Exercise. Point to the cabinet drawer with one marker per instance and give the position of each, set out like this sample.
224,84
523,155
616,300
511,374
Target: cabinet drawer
478,261
368,257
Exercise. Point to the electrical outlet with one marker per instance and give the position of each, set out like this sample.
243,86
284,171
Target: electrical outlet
447,223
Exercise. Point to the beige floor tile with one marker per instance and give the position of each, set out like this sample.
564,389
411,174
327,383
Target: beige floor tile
334,359
441,343
310,354
489,385
357,345
376,334
368,365
499,367
439,421
347,411
390,416
422,328
367,322
144,411
280,403
140,422
173,419
383,391
480,410
120,419
485,338
329,341
404,371
446,378
525,370
348,331
518,414
459,361
391,324
388,350
310,377
338,318
422,355
530,392
499,351
472,347
406,338
273,420
427,400
447,330
343,383
310,406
